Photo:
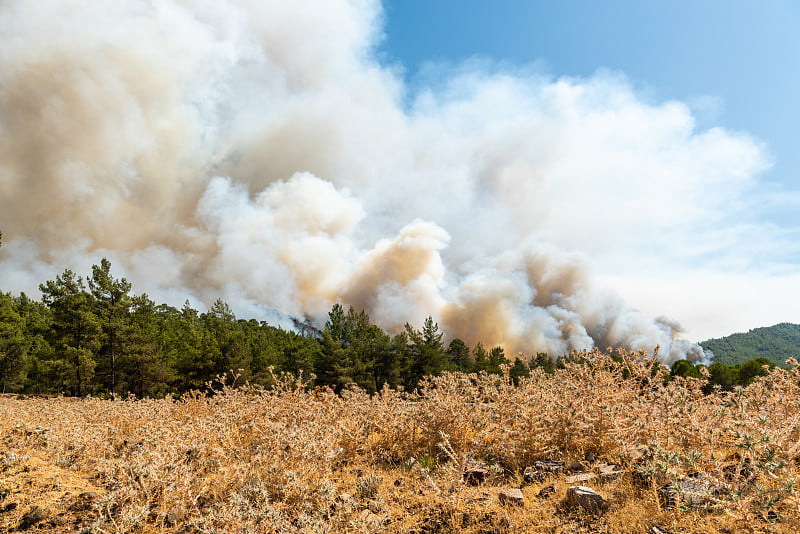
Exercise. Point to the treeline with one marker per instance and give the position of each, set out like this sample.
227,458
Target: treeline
721,376
94,336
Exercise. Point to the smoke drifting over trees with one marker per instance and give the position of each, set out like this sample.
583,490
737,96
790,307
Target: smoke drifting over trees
258,152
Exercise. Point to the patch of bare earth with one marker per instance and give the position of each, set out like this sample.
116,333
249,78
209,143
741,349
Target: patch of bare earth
40,496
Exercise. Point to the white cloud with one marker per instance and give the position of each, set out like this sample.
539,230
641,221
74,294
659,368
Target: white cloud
496,183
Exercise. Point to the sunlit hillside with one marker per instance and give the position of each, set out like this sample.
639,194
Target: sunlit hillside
775,343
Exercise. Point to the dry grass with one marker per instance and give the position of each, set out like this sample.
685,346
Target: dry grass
290,460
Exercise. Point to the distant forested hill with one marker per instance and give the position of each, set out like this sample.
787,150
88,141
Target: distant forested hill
775,343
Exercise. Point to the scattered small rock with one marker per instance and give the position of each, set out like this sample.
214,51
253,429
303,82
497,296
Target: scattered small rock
548,490
33,516
532,475
550,466
512,496
586,498
577,467
609,472
3,494
658,530
344,497
606,477
475,475
581,477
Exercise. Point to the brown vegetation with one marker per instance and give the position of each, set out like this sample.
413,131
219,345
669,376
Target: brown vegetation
291,460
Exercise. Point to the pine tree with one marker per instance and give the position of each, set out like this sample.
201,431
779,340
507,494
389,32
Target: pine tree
76,330
299,354
426,353
263,351
36,327
146,370
112,305
13,346
519,370
543,361
497,358
458,354
480,358
225,340
336,324
330,366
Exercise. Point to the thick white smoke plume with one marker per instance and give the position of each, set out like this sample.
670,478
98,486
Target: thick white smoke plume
257,151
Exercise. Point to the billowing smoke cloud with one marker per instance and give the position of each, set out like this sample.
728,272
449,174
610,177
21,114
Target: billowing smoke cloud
257,151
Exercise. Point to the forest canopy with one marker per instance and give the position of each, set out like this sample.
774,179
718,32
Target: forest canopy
92,335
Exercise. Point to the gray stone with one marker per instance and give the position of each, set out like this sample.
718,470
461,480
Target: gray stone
532,475
586,498
577,467
696,489
550,466
609,472
581,477
475,475
512,496
611,475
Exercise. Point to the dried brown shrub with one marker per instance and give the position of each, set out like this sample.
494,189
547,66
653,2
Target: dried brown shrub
290,459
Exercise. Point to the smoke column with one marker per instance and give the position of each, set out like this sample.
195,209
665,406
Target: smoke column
257,151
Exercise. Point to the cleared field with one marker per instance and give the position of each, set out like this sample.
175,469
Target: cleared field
289,460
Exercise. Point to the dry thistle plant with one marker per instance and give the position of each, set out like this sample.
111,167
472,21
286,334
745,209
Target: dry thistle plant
291,459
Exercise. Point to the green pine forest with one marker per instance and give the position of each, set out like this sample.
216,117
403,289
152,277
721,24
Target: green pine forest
775,343
92,335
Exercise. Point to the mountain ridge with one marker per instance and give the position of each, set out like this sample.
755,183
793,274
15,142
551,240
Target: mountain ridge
775,343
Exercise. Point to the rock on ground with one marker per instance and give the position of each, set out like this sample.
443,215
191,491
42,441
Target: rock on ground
586,498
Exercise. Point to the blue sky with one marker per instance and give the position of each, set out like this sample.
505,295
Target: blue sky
734,63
